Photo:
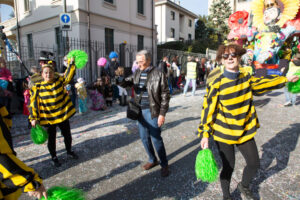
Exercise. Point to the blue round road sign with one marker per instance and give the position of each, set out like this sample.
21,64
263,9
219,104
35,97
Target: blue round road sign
65,18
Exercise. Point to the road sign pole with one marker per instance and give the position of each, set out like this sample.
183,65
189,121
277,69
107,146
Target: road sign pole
67,34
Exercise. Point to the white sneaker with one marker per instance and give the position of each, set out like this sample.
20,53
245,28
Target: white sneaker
287,104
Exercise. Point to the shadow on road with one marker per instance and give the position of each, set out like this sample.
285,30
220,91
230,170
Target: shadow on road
274,94
261,102
87,150
88,185
181,184
278,148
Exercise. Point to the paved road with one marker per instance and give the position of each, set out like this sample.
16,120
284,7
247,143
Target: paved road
111,154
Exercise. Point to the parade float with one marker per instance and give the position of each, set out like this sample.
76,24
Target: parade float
270,32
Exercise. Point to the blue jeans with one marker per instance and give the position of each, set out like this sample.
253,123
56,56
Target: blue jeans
289,97
170,83
151,133
187,85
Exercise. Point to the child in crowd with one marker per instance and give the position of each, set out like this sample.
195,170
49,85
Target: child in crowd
26,104
98,102
108,93
5,74
82,94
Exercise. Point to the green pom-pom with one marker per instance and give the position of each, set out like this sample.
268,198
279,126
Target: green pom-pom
206,167
64,193
38,135
294,87
81,58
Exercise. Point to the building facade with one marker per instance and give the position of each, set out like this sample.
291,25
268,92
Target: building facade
173,22
108,22
236,5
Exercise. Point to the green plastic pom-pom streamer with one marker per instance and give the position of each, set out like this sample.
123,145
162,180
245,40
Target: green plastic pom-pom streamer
38,135
294,87
64,193
206,167
81,58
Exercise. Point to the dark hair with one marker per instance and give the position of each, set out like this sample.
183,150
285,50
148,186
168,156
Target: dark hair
223,48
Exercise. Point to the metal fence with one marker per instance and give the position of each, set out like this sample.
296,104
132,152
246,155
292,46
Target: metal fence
182,55
30,56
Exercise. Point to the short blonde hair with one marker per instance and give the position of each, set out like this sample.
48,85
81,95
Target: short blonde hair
48,66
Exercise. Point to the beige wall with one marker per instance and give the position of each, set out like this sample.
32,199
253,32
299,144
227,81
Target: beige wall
43,17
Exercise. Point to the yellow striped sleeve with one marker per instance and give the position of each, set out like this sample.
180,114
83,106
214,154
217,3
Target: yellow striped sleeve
18,175
69,73
264,84
34,104
6,116
209,111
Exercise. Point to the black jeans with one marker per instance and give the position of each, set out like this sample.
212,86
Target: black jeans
249,152
66,133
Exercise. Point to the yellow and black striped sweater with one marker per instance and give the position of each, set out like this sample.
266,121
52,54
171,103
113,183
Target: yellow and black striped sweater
14,173
228,112
49,102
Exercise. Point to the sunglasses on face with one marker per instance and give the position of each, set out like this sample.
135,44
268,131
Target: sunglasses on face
226,55
270,5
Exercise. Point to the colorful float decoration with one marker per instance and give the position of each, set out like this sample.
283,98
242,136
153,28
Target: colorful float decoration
270,32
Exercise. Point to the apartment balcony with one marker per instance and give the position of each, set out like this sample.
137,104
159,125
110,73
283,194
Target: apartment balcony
10,27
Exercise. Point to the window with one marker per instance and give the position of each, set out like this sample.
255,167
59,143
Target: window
140,6
109,1
109,40
140,42
26,5
172,15
30,46
172,33
190,36
190,23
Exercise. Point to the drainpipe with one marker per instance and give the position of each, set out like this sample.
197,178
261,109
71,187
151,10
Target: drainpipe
89,40
18,35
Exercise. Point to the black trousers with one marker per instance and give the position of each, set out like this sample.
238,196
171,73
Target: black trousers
66,133
249,152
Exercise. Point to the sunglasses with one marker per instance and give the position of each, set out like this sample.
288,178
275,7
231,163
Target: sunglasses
226,55
270,5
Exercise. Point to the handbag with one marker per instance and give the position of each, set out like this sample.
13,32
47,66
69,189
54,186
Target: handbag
134,110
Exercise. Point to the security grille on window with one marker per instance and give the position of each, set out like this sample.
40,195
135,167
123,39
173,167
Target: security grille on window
172,33
109,40
26,5
140,42
140,6
172,15
30,46
109,1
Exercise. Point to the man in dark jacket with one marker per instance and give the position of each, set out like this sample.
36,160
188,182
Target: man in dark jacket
151,87
163,65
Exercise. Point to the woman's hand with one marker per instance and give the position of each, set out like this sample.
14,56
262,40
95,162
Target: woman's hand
39,193
204,143
293,78
33,123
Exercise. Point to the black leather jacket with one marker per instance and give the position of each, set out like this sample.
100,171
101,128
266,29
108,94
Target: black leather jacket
157,88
